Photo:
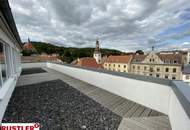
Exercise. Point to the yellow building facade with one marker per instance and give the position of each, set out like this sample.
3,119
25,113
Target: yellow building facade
168,66
118,63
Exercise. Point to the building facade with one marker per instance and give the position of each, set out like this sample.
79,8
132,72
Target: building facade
10,47
118,63
186,74
167,66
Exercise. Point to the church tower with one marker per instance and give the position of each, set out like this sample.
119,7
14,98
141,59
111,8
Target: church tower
97,54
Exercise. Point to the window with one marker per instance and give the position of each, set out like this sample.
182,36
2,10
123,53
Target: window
109,64
118,65
150,60
114,65
157,75
151,69
174,70
187,76
133,67
124,66
175,61
158,69
167,69
166,76
173,77
138,67
150,74
3,63
105,64
166,61
144,67
153,60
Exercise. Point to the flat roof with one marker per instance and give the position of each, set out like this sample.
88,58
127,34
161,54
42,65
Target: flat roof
88,105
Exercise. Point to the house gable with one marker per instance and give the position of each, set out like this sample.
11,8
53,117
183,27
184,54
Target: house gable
152,58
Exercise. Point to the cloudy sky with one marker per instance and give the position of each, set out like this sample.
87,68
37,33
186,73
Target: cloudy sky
126,25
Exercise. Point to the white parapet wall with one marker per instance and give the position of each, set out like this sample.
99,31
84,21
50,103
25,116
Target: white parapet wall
156,96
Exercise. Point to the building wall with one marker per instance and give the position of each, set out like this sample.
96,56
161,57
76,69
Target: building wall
98,57
10,67
157,70
186,78
119,67
188,57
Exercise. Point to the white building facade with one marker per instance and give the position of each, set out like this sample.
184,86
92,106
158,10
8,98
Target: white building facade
10,47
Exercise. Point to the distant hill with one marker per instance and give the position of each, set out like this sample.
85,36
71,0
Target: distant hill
68,54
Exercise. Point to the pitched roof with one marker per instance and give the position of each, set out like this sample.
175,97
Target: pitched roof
138,58
29,46
88,62
119,59
171,57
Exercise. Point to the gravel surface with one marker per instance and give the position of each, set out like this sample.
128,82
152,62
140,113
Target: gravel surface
58,106
32,71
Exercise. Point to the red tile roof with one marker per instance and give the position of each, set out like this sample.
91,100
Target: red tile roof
171,57
138,58
88,62
119,59
164,57
28,46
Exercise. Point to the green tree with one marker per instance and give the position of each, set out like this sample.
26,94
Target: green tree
140,52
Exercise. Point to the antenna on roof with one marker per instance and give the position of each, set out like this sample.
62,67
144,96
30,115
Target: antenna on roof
152,48
152,43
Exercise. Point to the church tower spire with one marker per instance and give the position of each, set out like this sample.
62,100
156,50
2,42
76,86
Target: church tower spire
97,49
28,40
97,54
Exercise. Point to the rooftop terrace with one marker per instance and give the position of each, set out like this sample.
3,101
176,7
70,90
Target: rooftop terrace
58,101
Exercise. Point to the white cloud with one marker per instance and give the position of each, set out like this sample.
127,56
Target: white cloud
119,24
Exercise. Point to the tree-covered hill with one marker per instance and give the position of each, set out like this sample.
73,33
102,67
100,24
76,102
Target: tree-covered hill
68,54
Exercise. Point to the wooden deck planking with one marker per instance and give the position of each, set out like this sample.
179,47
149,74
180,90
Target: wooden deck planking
147,123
